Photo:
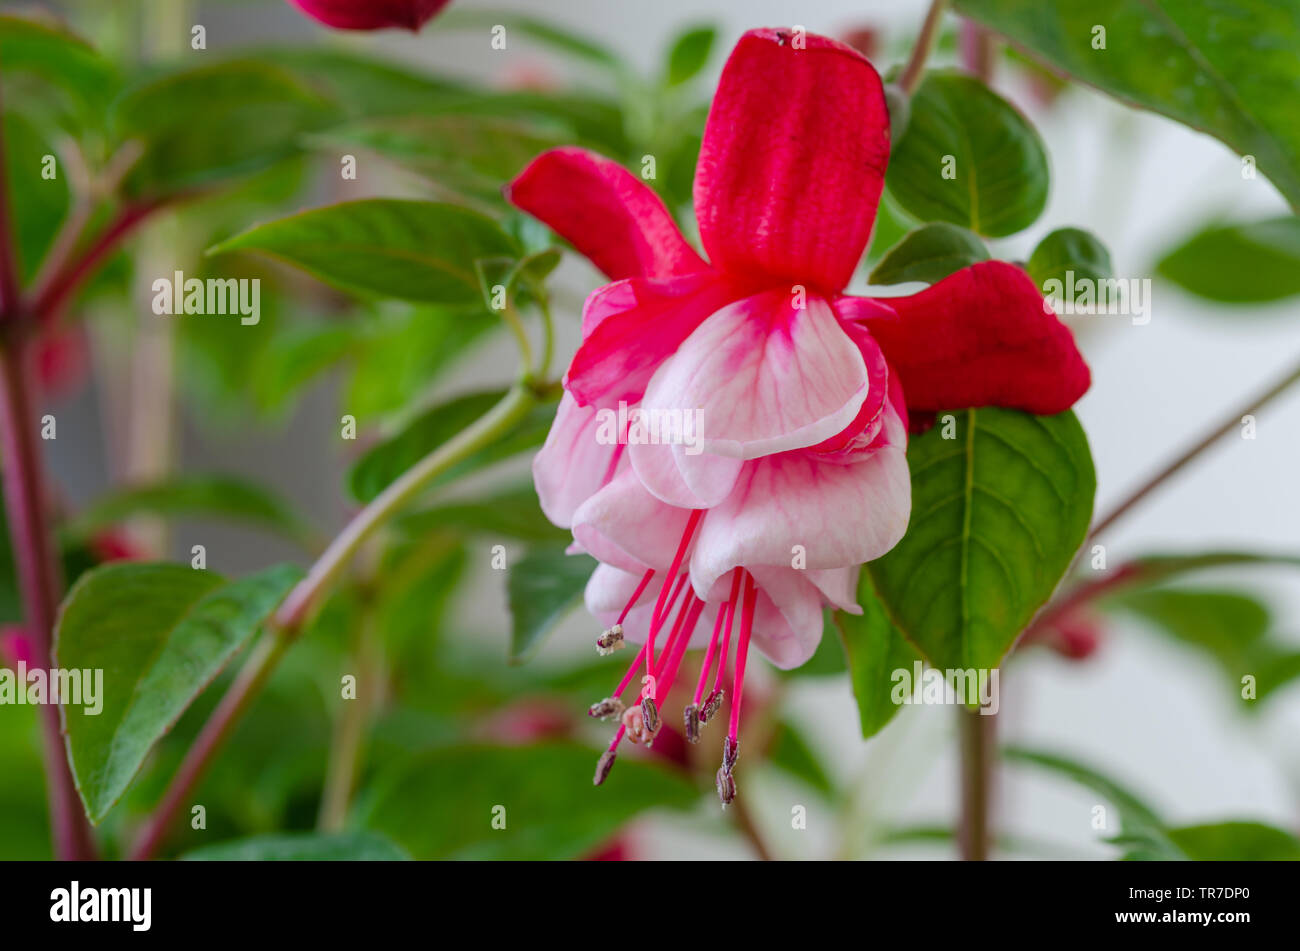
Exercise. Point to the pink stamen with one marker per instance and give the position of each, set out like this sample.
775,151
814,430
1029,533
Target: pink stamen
682,634
708,656
618,738
742,651
636,661
656,619
726,635
645,580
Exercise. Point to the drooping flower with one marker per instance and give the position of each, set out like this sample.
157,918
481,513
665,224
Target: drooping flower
371,14
795,474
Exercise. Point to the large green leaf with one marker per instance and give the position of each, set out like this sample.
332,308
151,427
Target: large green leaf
305,847
412,250
160,633
442,804
998,511
193,496
1230,70
1249,263
969,158
929,254
543,587
202,126
875,648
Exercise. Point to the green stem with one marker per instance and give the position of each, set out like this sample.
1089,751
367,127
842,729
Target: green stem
288,621
915,68
350,729
978,737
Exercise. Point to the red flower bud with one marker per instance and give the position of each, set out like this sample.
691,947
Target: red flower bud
371,14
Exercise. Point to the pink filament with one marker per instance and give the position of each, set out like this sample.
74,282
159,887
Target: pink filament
726,635
636,661
742,651
708,656
683,635
645,580
657,618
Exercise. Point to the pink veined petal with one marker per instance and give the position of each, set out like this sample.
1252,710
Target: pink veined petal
788,616
630,327
765,375
607,213
870,416
842,514
889,428
625,526
574,462
839,586
656,466
793,159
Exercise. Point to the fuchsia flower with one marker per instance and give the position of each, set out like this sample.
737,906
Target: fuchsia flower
371,14
800,474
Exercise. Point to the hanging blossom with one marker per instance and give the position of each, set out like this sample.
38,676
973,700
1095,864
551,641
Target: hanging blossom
797,474
371,14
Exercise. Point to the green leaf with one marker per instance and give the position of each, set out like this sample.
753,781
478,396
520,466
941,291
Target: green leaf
221,497
929,254
41,204
543,32
512,513
1251,263
1232,73
875,648
996,181
1068,255
790,753
1236,841
387,460
362,86
1227,624
160,633
474,154
998,512
689,54
412,250
201,126
306,847
1141,830
541,589
543,794
48,71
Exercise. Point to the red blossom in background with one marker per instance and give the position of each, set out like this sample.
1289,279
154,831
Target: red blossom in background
371,14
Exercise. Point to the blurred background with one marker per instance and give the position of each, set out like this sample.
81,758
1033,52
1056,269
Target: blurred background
1154,712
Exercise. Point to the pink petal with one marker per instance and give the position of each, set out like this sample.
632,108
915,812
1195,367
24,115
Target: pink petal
841,514
793,160
573,463
631,326
371,14
625,526
606,212
787,617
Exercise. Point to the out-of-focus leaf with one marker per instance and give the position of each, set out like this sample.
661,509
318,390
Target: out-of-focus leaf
997,515
929,254
37,204
1234,73
875,648
541,797
538,30
193,496
1252,263
159,633
689,54
1068,256
512,513
968,158
384,247
1228,624
48,71
791,754
469,153
363,86
201,126
294,358
1141,832
542,588
1236,842
307,847
387,460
